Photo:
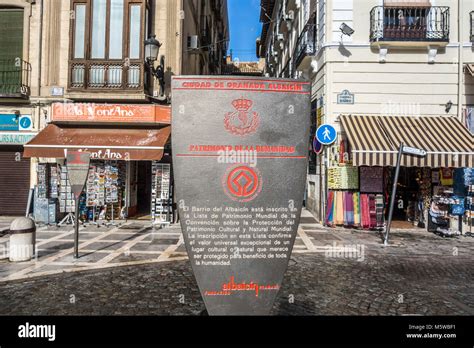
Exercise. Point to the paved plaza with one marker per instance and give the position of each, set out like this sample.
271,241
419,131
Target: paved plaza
135,270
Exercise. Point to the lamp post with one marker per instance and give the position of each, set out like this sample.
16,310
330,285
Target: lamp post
152,49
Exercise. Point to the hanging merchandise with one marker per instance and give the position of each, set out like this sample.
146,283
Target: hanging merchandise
339,219
365,213
349,209
373,212
446,176
66,198
43,181
54,181
356,198
371,179
379,210
343,178
161,207
330,209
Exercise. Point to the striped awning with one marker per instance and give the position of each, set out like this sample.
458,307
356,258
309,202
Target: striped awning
375,141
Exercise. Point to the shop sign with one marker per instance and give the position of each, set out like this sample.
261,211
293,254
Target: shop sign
345,97
118,113
16,138
240,165
413,151
8,122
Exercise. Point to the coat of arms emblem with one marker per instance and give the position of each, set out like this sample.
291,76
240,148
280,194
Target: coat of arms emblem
242,121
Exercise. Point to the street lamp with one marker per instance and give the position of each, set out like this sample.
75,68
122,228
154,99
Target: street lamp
152,49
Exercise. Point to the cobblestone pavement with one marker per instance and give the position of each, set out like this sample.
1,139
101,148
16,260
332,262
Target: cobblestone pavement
332,272
131,243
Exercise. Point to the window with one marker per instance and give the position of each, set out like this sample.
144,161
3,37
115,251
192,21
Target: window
107,44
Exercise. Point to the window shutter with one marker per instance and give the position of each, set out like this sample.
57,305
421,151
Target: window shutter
11,34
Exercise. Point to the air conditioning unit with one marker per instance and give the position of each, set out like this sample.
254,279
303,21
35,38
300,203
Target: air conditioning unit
193,42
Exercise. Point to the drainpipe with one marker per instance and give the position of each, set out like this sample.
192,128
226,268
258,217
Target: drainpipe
460,59
40,49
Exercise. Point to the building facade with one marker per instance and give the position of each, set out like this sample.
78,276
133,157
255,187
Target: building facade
405,59
78,74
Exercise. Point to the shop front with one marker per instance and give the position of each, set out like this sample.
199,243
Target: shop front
15,131
434,192
125,157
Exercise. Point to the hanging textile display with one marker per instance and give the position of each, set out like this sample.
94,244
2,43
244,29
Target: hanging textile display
330,209
446,176
371,179
343,178
356,202
339,220
373,212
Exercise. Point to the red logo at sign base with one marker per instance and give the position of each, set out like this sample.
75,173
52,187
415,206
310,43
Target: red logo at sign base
242,183
242,121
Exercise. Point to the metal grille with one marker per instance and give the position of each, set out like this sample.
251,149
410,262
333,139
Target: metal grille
409,23
14,78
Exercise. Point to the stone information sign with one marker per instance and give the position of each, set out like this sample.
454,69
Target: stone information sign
240,162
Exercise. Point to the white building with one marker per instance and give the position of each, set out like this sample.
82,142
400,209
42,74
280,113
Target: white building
373,57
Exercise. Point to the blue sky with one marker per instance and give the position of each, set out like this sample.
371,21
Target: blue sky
245,28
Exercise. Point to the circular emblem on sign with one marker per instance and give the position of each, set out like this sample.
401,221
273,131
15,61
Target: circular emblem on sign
242,183
242,121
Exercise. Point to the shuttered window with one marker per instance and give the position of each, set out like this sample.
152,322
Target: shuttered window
11,34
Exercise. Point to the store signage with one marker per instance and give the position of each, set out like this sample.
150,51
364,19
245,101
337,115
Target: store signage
118,113
16,138
8,122
240,164
345,97
413,151
77,168
25,123
326,134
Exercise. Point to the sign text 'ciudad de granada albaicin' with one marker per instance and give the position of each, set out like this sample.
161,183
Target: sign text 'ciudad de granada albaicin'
240,162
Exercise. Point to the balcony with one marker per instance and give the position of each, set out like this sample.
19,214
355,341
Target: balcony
103,76
410,26
306,45
15,78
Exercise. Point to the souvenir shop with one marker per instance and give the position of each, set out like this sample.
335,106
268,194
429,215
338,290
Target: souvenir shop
125,181
435,192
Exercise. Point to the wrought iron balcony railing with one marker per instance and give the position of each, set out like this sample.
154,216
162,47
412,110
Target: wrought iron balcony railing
14,78
409,23
106,75
306,44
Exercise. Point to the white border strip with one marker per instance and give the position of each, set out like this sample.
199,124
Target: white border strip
97,147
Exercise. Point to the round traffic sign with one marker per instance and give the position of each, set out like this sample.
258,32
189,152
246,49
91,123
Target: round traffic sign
326,134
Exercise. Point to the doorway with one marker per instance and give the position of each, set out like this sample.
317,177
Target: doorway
144,188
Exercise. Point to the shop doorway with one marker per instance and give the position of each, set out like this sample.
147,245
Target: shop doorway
408,209
144,189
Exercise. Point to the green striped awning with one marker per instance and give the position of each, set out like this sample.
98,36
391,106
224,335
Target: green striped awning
375,140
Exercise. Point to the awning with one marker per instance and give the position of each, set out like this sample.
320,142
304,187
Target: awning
375,140
470,69
126,144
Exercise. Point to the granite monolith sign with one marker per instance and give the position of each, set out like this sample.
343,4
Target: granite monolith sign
240,162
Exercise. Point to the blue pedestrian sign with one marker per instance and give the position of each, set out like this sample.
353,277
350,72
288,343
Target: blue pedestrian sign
326,134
